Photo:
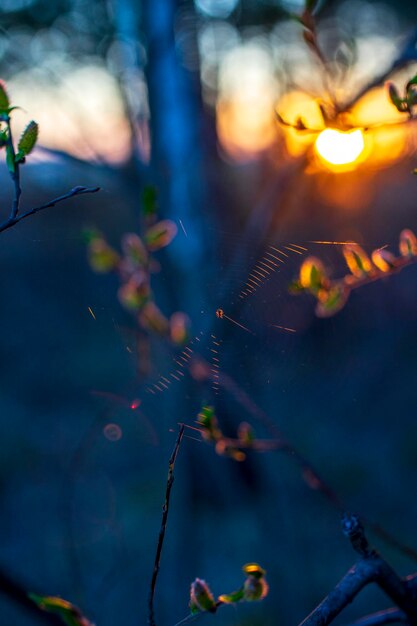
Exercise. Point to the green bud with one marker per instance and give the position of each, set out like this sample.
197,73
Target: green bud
134,250
27,140
160,235
245,433
70,614
332,300
134,294
201,597
101,256
255,589
395,98
210,426
4,98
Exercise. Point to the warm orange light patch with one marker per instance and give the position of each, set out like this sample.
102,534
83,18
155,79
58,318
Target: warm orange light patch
245,117
294,105
379,137
340,150
387,136
245,126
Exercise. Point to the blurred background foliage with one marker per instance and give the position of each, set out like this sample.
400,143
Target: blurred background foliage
182,95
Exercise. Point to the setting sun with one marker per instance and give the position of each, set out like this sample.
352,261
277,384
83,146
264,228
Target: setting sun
340,148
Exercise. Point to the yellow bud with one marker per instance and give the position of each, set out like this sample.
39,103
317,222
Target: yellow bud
408,243
357,260
383,260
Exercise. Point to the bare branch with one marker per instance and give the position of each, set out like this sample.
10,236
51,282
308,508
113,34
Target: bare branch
371,568
76,191
368,570
165,511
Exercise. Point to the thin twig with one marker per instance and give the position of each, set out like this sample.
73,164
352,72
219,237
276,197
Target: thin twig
76,191
309,473
165,511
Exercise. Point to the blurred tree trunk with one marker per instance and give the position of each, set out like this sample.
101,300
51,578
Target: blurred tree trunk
177,156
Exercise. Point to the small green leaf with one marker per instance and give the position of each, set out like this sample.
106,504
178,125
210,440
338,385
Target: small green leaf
160,235
4,98
357,260
331,301
70,614
395,98
255,589
210,427
136,255
312,275
134,294
28,139
101,256
245,433
149,201
232,598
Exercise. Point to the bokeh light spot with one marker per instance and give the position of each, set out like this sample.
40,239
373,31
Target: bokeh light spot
216,8
112,432
340,148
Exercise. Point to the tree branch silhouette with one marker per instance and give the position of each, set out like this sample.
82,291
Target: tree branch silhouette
165,512
15,218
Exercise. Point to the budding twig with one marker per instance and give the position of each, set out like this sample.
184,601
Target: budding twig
165,511
15,218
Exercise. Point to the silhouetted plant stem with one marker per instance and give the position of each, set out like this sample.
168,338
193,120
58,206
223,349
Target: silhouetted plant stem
308,471
165,511
76,191
15,174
